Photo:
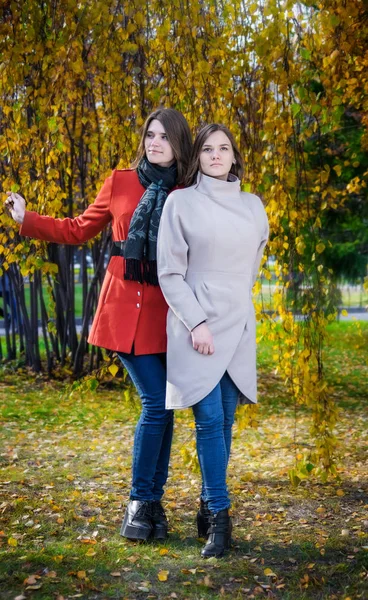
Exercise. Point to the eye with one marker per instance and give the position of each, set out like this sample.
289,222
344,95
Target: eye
164,136
224,148
206,149
149,134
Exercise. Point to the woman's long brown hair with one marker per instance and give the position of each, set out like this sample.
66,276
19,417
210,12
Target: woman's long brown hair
178,134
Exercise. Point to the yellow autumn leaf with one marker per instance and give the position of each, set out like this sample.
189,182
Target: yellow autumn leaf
58,558
320,247
163,551
90,552
344,312
12,542
139,18
163,575
113,369
340,492
269,572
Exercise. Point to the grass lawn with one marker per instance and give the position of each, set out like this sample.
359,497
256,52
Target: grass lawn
65,479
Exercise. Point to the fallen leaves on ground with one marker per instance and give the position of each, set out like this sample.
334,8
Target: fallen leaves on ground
66,469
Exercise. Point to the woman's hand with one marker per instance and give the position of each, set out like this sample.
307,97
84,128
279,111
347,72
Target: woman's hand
16,205
202,339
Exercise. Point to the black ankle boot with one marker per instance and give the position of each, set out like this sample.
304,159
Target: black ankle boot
137,524
203,518
219,534
159,521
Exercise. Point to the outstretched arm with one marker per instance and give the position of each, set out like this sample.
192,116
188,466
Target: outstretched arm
63,231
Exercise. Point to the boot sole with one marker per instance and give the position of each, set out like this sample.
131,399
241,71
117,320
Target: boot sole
226,548
220,555
134,533
214,555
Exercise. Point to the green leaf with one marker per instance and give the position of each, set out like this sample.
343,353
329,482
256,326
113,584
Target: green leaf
304,53
334,20
296,108
302,92
52,124
93,384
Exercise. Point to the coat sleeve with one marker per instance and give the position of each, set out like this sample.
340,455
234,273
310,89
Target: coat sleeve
172,261
72,231
264,237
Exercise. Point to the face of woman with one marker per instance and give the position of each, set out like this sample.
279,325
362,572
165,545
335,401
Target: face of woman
216,156
157,146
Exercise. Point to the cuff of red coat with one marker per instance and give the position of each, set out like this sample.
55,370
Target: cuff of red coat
27,228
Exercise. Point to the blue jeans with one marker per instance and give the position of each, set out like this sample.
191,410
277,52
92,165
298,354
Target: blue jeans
214,418
154,430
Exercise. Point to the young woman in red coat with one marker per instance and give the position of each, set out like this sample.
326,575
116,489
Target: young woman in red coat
131,313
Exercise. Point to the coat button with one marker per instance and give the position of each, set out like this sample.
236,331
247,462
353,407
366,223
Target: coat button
138,293
138,305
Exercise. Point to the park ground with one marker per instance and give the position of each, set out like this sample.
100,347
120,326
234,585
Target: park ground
65,461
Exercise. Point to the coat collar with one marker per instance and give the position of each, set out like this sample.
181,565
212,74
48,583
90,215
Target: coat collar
217,188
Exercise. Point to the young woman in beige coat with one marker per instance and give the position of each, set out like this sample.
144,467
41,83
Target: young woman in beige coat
210,245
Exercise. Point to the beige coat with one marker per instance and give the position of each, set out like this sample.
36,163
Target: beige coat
211,240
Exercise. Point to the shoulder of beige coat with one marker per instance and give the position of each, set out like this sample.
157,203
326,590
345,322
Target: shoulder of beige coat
258,210
251,197
179,195
254,201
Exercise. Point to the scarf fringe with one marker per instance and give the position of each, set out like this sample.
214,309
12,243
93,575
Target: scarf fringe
134,268
150,272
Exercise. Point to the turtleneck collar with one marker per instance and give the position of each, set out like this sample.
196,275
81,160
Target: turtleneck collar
218,188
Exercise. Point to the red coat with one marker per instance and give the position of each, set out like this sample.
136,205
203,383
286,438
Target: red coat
127,311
